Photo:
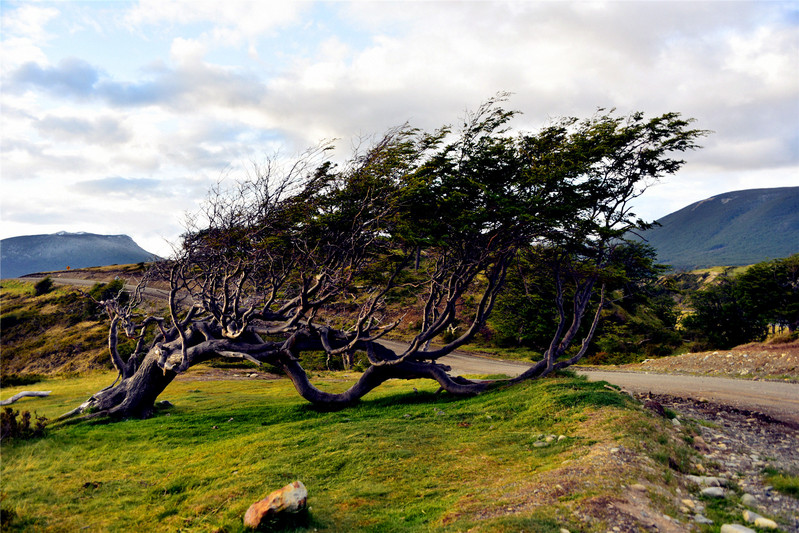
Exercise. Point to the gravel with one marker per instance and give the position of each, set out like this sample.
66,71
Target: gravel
737,446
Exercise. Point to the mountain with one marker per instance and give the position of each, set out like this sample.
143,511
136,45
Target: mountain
730,229
41,253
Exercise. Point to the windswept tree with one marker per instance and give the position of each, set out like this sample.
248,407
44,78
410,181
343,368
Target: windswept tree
303,257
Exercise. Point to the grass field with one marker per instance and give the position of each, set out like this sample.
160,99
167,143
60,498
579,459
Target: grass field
402,460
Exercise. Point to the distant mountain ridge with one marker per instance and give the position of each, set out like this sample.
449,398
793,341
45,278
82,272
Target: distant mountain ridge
730,229
29,254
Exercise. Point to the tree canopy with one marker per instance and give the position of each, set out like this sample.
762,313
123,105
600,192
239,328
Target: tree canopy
305,256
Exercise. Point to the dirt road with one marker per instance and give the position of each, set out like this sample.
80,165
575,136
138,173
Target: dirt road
780,400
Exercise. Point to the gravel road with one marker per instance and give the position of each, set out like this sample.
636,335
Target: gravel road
779,400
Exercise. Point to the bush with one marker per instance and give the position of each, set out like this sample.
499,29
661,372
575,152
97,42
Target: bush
784,338
43,286
12,428
14,380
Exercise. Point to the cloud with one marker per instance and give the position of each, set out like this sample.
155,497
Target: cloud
103,131
123,187
72,77
24,33
234,20
183,88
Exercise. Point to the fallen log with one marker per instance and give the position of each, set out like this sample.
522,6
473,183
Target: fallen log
24,394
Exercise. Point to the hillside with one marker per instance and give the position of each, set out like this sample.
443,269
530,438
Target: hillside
41,253
731,229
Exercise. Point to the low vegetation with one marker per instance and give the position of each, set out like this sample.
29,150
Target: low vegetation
405,459
56,331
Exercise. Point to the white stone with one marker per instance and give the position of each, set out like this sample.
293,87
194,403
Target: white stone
736,528
748,500
765,523
713,492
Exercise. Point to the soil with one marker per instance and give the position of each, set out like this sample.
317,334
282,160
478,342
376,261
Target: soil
755,360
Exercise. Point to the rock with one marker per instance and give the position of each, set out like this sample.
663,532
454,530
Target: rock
736,528
700,444
759,521
540,444
713,492
707,481
656,408
166,404
292,498
639,487
689,503
765,523
701,519
748,500
675,422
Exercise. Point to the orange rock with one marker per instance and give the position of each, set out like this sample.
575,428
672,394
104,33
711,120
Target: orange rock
292,498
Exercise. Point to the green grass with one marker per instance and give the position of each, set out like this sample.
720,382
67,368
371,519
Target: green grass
785,483
399,461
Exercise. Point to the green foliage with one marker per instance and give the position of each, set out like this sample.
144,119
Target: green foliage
11,428
721,318
103,291
43,286
770,290
738,309
639,319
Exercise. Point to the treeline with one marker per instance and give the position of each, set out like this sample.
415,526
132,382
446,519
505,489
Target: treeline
653,314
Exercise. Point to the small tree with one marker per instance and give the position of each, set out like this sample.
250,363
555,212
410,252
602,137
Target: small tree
43,286
771,291
303,257
721,319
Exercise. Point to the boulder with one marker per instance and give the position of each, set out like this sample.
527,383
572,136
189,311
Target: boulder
713,492
292,498
759,521
736,528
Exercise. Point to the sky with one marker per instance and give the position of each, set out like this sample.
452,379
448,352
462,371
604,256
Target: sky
117,117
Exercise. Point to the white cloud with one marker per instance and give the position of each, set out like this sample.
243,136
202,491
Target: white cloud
24,34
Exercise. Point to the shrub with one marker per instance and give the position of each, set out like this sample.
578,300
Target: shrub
12,428
13,380
43,286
